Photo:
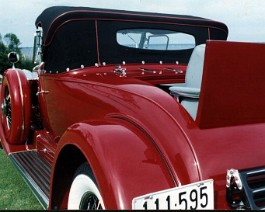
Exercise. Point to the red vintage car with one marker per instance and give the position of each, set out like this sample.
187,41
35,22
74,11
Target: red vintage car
130,110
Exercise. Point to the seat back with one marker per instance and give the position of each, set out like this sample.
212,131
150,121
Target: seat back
195,67
191,91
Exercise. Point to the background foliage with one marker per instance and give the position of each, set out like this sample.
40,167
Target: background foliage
11,43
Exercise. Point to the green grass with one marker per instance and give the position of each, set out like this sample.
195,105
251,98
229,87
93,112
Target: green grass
14,193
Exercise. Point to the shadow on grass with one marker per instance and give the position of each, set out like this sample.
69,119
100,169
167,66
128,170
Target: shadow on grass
14,193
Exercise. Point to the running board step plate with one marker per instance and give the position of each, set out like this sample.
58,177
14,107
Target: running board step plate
36,172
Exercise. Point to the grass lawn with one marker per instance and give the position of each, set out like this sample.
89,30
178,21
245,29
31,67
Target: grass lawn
14,192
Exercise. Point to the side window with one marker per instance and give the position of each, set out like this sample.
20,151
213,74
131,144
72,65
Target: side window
73,45
155,39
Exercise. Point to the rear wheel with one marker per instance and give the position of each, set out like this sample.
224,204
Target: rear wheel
84,193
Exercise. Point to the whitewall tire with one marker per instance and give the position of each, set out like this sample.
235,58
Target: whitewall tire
84,193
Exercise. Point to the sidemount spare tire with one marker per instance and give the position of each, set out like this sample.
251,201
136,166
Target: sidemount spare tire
16,106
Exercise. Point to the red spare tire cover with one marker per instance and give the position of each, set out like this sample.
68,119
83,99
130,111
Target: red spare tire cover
16,106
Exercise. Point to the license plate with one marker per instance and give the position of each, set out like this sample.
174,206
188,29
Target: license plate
199,195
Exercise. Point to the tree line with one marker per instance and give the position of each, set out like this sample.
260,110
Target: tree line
11,43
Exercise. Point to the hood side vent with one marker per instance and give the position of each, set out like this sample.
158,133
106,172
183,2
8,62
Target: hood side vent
253,182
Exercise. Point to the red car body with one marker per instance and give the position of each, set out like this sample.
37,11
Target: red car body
123,121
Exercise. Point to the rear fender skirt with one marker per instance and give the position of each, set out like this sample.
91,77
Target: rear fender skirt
122,159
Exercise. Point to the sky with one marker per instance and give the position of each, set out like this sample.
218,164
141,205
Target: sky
245,18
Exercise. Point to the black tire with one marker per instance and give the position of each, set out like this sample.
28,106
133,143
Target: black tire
84,193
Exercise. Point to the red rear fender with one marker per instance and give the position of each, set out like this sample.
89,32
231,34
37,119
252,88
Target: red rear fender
122,158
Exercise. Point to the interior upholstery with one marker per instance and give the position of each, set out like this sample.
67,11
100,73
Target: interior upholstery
189,94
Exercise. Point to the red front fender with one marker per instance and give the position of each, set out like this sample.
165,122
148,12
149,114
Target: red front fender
123,160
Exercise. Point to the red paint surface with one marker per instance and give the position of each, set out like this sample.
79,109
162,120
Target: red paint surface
138,139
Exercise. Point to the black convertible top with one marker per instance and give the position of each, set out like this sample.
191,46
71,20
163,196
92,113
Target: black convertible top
53,17
74,36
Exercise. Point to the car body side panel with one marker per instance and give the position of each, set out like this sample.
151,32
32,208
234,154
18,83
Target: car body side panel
153,111
238,147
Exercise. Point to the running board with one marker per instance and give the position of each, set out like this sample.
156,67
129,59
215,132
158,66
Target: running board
36,172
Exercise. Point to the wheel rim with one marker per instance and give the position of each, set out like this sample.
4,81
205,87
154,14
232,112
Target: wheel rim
6,108
90,201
